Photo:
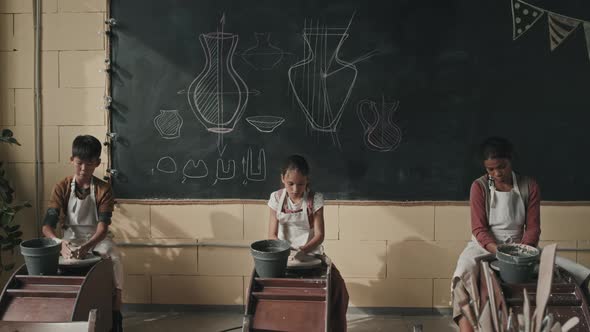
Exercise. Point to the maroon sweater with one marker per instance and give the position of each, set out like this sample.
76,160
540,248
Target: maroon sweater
480,227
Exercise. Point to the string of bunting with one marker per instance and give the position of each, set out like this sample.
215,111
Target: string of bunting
525,15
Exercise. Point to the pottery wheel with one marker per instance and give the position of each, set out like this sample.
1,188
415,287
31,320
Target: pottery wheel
303,261
88,260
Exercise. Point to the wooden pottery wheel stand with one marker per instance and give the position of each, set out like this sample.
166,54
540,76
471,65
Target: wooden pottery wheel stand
66,297
297,302
566,299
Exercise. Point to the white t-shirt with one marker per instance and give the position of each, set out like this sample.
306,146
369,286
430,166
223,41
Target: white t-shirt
273,202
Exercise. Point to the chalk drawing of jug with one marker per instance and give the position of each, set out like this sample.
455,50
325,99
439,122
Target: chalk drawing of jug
380,132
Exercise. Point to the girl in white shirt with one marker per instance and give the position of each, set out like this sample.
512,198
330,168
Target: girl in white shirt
297,215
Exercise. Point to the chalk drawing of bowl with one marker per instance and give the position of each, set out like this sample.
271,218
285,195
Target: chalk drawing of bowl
265,123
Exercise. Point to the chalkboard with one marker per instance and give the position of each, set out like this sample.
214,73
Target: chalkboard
387,99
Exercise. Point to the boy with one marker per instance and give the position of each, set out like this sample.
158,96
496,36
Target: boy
83,205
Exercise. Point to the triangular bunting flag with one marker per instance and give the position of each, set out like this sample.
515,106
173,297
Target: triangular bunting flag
523,17
587,35
559,28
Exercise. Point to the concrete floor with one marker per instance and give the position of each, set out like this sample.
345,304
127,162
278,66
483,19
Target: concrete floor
218,321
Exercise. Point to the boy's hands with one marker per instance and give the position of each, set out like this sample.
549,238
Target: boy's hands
82,251
70,251
66,252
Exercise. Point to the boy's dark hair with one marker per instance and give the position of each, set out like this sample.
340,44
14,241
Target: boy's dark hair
496,147
86,147
295,162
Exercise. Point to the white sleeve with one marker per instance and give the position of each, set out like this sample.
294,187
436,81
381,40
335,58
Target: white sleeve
273,201
318,201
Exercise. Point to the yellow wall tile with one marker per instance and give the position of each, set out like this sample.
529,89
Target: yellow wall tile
565,222
49,69
386,222
21,6
82,5
226,261
26,152
131,221
24,32
197,290
256,218
52,173
16,6
203,222
81,69
137,289
67,136
7,108
26,219
49,6
73,31
331,222
411,293
17,69
136,260
358,259
452,223
6,32
22,179
154,260
423,259
24,104
73,107
442,293
583,257
14,70
50,144
182,260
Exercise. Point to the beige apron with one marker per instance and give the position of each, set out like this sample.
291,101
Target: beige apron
81,221
506,220
294,226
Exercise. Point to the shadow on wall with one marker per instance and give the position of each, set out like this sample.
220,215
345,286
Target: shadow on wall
219,269
132,224
233,260
407,271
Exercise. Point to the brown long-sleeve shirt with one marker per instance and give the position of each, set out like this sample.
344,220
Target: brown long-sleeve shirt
480,227
58,203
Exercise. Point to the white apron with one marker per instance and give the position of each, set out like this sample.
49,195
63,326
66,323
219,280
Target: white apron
294,226
506,219
81,221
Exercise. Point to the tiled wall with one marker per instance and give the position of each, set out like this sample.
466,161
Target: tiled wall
390,256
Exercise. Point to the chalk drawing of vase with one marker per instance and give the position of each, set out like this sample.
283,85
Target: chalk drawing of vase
263,55
218,96
322,82
168,123
380,133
